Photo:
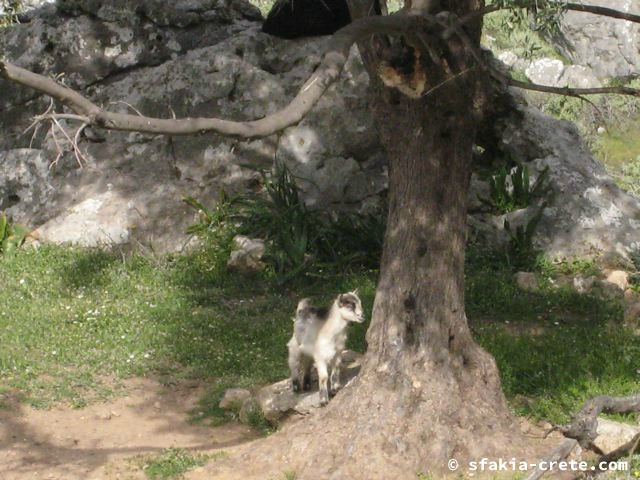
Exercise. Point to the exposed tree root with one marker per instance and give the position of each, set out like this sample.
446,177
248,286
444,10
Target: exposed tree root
388,426
583,430
556,455
584,425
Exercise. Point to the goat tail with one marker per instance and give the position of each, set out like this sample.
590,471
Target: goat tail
303,306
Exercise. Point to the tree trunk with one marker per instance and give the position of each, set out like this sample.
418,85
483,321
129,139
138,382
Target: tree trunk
427,393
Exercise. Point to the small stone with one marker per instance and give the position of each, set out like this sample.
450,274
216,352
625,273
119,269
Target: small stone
632,314
619,278
526,281
278,400
508,58
584,284
249,408
234,398
247,257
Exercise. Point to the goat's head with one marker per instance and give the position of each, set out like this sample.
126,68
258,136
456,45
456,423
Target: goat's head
350,307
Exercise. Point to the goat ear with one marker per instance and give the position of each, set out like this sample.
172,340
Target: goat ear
341,301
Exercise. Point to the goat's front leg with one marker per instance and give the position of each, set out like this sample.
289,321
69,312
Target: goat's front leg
307,363
335,375
323,379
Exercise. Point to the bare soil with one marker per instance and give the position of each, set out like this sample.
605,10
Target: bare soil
107,440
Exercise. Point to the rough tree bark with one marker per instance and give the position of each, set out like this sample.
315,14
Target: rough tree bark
427,393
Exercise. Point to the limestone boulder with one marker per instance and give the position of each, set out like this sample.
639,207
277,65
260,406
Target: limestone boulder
608,46
247,255
612,435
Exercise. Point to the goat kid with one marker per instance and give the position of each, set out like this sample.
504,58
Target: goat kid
319,336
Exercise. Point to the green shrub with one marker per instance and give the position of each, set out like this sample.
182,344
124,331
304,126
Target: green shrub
12,235
300,241
11,9
521,252
506,198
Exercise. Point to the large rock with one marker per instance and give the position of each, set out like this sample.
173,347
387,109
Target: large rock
608,46
25,184
209,58
199,59
578,76
546,71
619,278
612,435
276,401
588,213
247,255
234,398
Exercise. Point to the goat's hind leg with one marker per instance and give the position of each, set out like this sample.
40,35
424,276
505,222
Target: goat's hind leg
295,364
334,381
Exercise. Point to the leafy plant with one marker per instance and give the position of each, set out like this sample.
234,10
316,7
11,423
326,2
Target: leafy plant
12,235
283,219
629,177
9,10
299,240
524,30
512,191
521,252
209,219
258,422
634,278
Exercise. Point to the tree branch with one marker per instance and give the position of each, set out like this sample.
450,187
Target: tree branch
584,425
571,92
327,73
603,11
557,454
453,26
576,7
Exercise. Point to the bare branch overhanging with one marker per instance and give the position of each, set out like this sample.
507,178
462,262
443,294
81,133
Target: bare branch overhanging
327,73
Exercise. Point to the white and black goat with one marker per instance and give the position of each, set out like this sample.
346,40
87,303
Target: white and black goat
319,336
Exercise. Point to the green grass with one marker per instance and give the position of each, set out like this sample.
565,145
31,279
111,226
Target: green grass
619,150
74,322
619,146
173,462
555,348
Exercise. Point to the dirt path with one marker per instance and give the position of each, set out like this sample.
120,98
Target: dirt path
98,442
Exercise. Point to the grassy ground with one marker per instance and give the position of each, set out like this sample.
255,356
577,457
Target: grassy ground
73,322
172,463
